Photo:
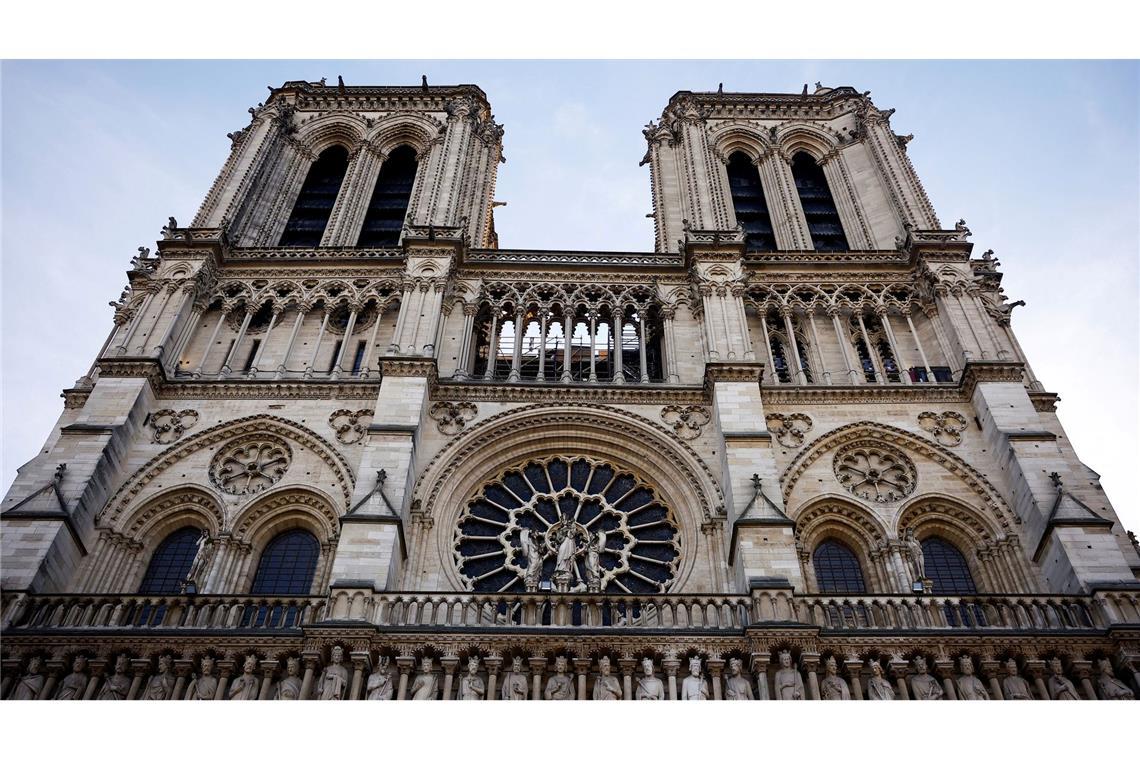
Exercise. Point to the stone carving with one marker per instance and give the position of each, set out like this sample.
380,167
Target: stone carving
1060,687
694,687
161,684
1110,686
118,684
924,686
789,429
472,686
514,682
607,686
246,686
649,686
686,421
736,686
566,537
379,684
878,687
559,685
31,683
594,548
350,426
75,682
426,684
289,687
170,229
788,681
832,686
206,683
202,555
451,417
250,465
915,556
876,473
334,680
534,551
946,428
169,425
1014,686
969,685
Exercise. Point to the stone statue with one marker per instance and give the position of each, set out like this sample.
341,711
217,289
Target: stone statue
170,228
1059,686
917,559
118,684
206,684
969,685
334,679
736,686
832,686
514,682
559,685
922,684
471,686
1014,686
607,687
534,551
161,684
246,686
379,685
426,684
789,683
694,687
289,687
594,551
32,683
564,568
203,552
878,687
75,682
649,686
1110,686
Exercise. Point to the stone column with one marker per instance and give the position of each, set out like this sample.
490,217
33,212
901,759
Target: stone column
54,668
226,669
493,664
991,669
898,671
1036,671
405,665
628,665
567,335
945,671
844,348
544,316
516,353
668,314
641,317
182,670
268,668
716,672
536,666
317,343
759,666
210,343
311,660
810,663
274,314
1082,669
360,663
854,669
615,335
139,668
795,366
582,667
670,667
448,662
226,369
353,311
885,321
283,366
96,668
824,371
492,345
918,345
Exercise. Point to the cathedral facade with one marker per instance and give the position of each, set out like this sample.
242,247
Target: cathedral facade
339,444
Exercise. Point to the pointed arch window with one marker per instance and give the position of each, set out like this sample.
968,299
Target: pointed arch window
288,564
749,203
311,212
171,562
390,197
837,569
819,207
946,566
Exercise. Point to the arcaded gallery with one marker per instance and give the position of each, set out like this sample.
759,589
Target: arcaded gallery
339,444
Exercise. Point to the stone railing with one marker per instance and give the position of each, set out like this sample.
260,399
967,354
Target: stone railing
65,612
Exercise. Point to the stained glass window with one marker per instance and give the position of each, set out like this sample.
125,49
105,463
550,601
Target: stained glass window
288,564
171,562
837,569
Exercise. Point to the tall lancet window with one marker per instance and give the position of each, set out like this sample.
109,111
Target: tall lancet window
314,204
389,204
749,204
819,207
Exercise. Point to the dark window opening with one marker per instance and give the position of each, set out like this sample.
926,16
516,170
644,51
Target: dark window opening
749,203
946,566
358,358
335,354
384,219
837,570
311,212
171,562
252,355
819,207
288,564
936,375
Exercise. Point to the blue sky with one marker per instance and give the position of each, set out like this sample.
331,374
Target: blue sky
1041,158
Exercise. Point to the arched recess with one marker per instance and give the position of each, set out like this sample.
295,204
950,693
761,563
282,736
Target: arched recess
344,129
679,476
831,516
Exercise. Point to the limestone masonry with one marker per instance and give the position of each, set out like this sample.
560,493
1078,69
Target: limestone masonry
341,445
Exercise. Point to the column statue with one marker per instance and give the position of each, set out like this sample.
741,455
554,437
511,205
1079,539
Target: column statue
878,687
1014,686
694,687
334,679
832,686
247,685
379,685
969,685
1110,686
472,686
736,686
289,687
649,686
203,552
594,549
118,684
161,685
426,684
607,687
923,685
75,682
32,683
917,559
559,685
1059,686
206,684
788,681
514,682
534,551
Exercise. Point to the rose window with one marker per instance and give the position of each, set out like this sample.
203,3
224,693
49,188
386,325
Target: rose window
875,472
250,465
569,525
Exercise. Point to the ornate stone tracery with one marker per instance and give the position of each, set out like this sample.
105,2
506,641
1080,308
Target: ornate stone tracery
250,465
878,473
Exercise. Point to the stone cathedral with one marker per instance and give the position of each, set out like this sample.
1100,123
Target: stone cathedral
341,444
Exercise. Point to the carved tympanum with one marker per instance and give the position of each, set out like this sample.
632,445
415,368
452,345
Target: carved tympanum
875,472
250,464
169,425
789,429
946,428
350,426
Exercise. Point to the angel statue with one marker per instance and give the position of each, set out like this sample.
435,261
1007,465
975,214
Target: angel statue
594,551
534,550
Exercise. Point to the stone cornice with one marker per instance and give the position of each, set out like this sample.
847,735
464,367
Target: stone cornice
630,393
318,96
573,258
270,390
989,372
1043,401
311,256
861,394
408,366
733,372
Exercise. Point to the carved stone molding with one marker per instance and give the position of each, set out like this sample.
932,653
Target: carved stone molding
348,424
629,393
874,472
250,464
169,425
946,428
686,421
789,429
452,417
